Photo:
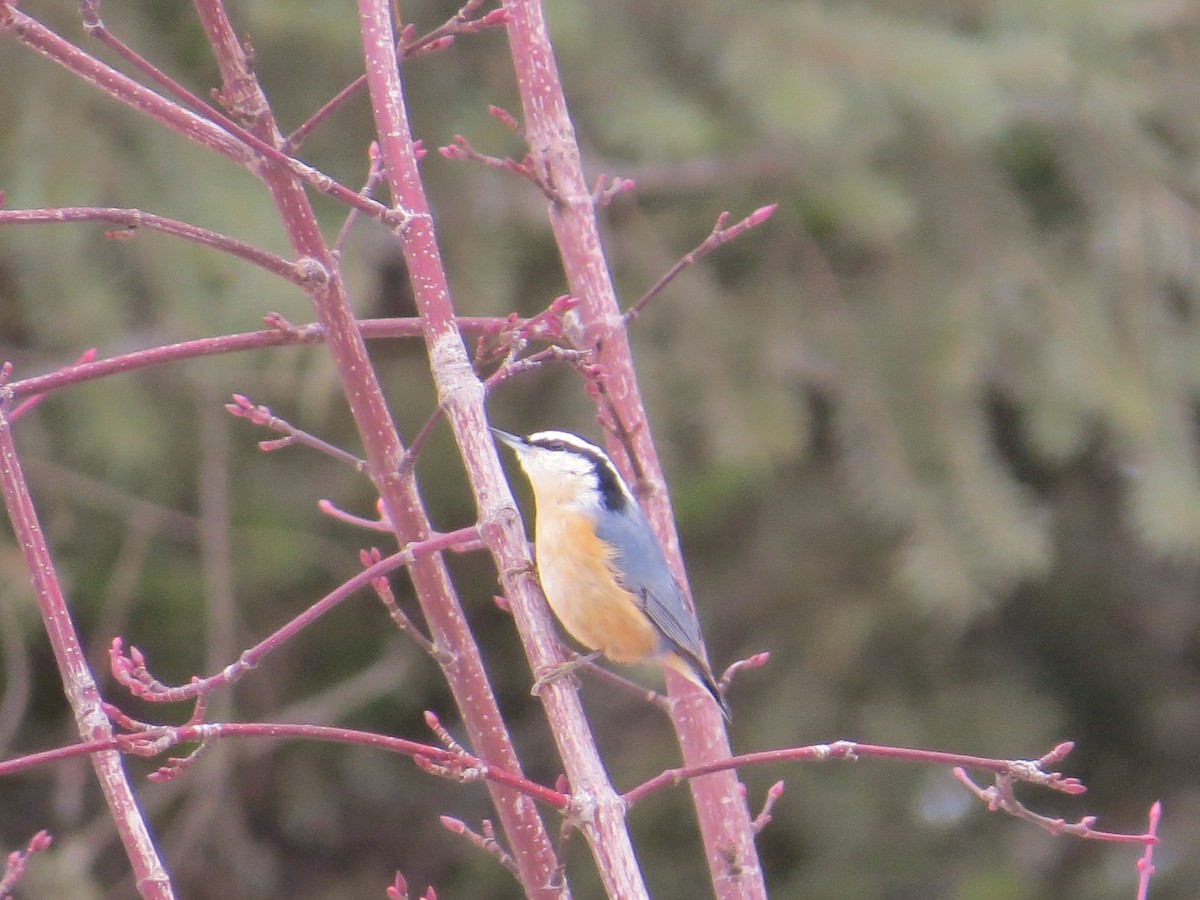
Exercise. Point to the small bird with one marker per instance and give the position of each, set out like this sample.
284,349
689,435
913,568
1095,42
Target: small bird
602,569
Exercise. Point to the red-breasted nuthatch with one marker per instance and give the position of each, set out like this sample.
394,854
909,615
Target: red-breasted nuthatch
601,567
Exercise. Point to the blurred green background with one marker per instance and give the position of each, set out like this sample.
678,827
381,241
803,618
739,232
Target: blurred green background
931,434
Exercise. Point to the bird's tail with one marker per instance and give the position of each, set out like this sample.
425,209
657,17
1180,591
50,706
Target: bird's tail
698,672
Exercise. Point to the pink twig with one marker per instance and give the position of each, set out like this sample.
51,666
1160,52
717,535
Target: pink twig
382,524
340,99
497,339
155,740
1030,771
374,176
444,737
89,12
14,865
130,669
212,129
1145,865
999,797
763,819
312,333
724,819
461,149
485,841
77,680
134,219
457,383
30,403
262,416
462,22
383,589
512,366
606,190
719,235
507,119
410,47
177,765
758,660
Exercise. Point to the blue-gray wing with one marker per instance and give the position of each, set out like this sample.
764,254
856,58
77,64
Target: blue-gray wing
643,571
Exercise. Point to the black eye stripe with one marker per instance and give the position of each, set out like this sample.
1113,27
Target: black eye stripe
608,481
558,446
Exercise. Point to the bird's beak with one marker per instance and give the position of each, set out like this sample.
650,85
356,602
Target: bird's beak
513,440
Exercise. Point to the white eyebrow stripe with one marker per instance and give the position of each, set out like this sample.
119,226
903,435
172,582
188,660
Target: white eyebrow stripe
571,440
611,484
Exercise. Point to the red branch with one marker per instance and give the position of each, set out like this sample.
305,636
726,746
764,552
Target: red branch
718,236
284,335
1023,770
1145,865
153,740
262,416
484,839
462,22
77,679
14,865
451,760
724,818
210,129
462,394
133,219
1007,772
130,669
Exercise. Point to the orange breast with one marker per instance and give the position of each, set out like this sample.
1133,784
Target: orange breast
577,576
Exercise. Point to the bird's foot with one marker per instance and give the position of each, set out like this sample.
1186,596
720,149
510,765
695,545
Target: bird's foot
550,674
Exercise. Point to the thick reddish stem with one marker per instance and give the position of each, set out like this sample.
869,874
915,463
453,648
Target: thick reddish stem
462,395
725,820
152,880
398,490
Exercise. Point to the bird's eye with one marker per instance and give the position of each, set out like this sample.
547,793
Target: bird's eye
556,446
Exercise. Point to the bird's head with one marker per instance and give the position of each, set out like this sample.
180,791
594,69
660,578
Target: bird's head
566,470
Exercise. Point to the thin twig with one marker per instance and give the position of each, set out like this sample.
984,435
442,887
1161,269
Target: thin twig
128,91
155,740
1145,865
409,47
14,867
383,589
382,524
31,402
134,219
461,149
763,819
312,333
374,176
262,416
130,669
755,661
998,797
718,236
486,841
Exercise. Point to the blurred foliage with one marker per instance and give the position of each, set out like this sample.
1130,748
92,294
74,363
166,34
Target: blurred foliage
931,431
